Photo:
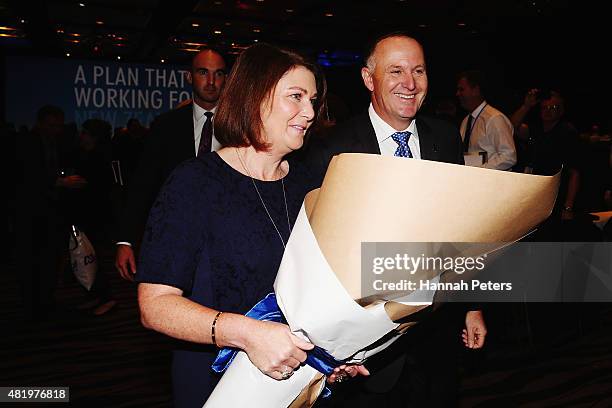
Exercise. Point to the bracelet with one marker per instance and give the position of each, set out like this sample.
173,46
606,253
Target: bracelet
212,329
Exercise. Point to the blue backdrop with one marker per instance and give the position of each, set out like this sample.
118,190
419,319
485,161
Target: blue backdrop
112,91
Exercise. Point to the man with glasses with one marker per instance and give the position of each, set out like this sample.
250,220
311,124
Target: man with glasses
551,144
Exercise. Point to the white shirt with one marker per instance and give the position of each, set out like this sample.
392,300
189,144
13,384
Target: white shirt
492,132
383,135
199,118
387,148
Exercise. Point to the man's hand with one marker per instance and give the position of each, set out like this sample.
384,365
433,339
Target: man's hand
344,371
125,262
475,330
531,99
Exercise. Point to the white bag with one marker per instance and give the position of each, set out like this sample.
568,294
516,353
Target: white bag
82,258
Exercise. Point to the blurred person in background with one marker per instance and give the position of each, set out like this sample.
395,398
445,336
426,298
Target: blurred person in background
40,233
175,136
89,208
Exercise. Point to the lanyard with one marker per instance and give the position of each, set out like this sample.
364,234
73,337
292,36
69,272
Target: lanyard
476,118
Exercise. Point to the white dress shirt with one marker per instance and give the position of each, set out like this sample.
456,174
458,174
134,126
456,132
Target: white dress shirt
388,146
383,135
199,118
492,132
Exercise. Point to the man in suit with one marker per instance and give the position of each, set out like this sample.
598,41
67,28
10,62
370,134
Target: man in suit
175,136
396,76
41,234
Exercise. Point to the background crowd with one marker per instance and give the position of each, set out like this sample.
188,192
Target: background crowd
103,179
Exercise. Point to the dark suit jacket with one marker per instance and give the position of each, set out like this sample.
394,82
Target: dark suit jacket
169,143
439,141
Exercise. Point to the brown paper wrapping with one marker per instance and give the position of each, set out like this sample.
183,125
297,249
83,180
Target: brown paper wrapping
374,198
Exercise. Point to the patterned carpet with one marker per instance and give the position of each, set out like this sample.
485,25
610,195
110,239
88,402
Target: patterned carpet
107,361
111,361
574,373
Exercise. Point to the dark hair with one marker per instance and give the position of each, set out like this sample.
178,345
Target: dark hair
547,93
132,121
251,82
48,110
371,44
99,129
204,49
474,78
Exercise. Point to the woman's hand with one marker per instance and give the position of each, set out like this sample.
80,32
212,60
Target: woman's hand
345,371
274,350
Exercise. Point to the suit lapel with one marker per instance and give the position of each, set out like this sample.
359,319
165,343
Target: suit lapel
427,141
365,141
185,131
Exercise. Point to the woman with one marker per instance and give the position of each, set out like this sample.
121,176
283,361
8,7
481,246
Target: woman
216,234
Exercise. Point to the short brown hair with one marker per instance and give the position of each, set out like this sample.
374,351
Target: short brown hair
251,82
475,78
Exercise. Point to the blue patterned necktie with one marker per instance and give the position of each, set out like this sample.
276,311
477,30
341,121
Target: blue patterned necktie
401,138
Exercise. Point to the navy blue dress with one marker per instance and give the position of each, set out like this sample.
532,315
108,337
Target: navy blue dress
209,235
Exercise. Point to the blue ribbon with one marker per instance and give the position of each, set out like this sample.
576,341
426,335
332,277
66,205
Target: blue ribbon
267,310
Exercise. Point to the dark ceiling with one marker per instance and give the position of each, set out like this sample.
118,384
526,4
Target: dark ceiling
151,30
522,43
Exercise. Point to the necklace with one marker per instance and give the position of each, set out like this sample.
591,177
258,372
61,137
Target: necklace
264,204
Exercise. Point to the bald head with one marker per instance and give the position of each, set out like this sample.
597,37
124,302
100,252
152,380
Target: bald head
207,77
396,77
375,48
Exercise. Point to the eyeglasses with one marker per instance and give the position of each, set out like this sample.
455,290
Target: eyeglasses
550,108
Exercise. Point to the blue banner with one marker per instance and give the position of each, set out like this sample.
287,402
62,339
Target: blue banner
112,91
